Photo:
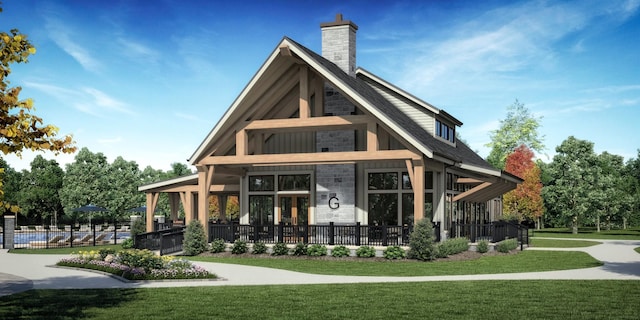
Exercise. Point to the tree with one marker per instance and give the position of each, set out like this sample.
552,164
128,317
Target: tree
122,180
631,185
19,128
518,128
84,182
525,202
570,192
38,196
611,201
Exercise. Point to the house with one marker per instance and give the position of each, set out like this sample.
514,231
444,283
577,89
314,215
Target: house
313,140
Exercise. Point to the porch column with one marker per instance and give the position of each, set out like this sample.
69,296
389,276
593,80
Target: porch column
222,204
174,205
187,204
205,177
152,201
418,191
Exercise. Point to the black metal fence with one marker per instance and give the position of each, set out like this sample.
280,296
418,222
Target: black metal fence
494,232
39,237
166,241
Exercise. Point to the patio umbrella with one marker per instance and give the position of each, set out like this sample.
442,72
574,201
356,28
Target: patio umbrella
90,208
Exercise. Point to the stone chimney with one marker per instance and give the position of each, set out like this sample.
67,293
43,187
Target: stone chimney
339,43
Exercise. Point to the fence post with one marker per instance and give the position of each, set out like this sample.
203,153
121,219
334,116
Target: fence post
357,233
331,234
384,235
255,232
280,232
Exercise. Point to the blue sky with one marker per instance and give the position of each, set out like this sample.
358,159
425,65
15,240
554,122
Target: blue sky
147,80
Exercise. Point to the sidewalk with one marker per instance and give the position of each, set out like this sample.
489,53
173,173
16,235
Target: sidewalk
20,272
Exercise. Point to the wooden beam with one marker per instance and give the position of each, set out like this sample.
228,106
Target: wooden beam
309,124
409,164
472,191
418,190
311,158
233,188
469,181
305,111
242,142
319,97
372,136
285,51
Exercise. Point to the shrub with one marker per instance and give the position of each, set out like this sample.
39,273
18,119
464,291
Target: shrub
280,249
393,252
366,252
340,251
421,241
239,247
317,250
483,246
507,245
195,241
127,243
105,252
138,227
144,259
259,248
452,246
218,246
300,249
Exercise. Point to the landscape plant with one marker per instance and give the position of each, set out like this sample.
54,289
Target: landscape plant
317,250
300,249
239,247
134,264
218,245
421,241
340,252
452,246
195,241
507,245
393,253
483,246
366,252
280,249
259,248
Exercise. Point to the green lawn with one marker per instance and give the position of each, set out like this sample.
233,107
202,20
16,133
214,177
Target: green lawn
606,299
66,250
637,249
552,243
525,261
587,233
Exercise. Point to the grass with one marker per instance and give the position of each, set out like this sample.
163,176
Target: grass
552,243
526,261
588,233
565,299
637,249
66,250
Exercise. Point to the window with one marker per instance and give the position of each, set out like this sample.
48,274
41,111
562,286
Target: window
294,182
391,202
260,210
383,181
445,131
261,183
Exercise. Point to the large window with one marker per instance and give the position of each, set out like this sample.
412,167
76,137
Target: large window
261,209
390,198
294,182
264,189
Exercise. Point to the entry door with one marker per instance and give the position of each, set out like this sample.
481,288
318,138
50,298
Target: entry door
294,214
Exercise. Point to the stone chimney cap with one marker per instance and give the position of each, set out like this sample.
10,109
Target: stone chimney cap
339,22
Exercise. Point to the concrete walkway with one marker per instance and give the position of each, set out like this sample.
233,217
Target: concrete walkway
21,272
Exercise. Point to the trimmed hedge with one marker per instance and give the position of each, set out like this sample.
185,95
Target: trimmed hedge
452,246
507,245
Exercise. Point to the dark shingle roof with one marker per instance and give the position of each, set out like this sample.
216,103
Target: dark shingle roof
460,153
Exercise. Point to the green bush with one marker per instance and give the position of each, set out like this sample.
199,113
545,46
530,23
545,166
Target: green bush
127,243
280,249
140,259
317,250
105,252
259,248
421,241
300,249
507,245
218,246
483,246
340,251
138,227
452,246
366,252
195,241
393,252
239,247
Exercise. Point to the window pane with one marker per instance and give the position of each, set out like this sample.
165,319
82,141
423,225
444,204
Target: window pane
261,210
428,205
406,181
437,128
383,209
260,183
294,182
383,181
407,209
428,180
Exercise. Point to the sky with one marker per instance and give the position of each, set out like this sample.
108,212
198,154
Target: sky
148,80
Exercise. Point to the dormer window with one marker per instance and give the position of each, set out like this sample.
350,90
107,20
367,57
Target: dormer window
445,131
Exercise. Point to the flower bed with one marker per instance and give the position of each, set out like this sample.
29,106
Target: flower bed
136,264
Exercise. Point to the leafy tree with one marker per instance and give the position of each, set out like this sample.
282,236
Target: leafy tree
84,182
570,192
122,180
525,202
520,127
19,128
179,170
611,202
195,241
631,185
421,241
38,197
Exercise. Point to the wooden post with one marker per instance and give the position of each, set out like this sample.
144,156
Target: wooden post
305,111
418,190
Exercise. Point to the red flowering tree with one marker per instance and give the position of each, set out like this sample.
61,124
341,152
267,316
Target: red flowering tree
525,202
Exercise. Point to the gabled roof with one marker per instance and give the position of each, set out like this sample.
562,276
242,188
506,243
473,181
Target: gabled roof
369,100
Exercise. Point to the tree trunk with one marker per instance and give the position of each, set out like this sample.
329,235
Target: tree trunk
624,223
575,225
598,223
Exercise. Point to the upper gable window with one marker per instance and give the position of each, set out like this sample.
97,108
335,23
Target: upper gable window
445,131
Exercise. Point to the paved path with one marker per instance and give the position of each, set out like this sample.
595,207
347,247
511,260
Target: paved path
20,272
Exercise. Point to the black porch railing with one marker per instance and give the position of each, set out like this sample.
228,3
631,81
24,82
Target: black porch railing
166,241
494,232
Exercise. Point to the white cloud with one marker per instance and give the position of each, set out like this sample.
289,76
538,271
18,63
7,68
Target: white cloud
61,35
104,101
137,50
